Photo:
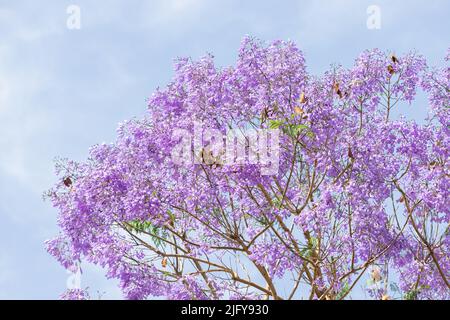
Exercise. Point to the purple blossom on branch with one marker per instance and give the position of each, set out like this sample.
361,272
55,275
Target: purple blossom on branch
75,294
359,194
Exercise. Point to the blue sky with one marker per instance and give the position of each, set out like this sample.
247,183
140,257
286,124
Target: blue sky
63,90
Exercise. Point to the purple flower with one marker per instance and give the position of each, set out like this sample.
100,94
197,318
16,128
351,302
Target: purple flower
358,185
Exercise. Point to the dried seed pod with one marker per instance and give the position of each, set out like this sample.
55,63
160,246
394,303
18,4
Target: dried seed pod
264,115
350,153
390,69
394,59
206,157
268,112
337,90
67,181
302,98
299,110
336,86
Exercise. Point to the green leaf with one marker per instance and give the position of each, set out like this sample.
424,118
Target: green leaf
263,221
147,227
275,124
171,215
276,202
308,250
140,226
411,295
302,127
343,292
166,273
293,130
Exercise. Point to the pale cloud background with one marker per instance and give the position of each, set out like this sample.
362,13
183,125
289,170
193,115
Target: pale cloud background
62,90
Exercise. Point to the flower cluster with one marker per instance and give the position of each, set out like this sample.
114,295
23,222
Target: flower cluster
359,188
75,294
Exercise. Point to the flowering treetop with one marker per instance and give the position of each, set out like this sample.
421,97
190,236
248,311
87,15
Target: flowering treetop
357,191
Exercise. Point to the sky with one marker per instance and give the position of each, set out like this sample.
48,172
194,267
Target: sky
64,89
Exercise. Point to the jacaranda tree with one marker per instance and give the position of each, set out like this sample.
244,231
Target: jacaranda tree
357,195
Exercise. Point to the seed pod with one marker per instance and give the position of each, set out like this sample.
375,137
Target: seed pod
337,90
268,112
264,115
206,156
302,98
390,69
164,262
350,153
394,59
298,110
67,182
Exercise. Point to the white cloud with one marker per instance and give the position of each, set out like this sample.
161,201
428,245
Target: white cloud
19,121
6,274
17,28
320,21
5,92
171,7
169,12
20,81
